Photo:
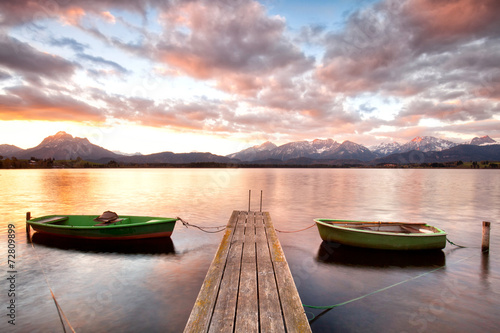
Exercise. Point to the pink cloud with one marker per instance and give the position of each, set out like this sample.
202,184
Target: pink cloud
32,63
27,103
230,42
438,22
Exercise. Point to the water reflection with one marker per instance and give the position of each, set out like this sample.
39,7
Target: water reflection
333,253
485,269
134,246
153,286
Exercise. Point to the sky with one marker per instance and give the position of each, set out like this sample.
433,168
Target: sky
223,75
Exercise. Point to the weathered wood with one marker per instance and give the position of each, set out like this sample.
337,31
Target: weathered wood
225,308
291,305
485,244
249,287
201,313
247,315
28,228
270,314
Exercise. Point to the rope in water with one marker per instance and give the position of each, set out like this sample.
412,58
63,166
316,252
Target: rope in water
329,307
296,230
187,224
461,246
58,307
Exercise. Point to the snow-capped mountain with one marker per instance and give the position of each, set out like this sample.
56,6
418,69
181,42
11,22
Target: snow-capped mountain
420,143
384,149
63,146
316,149
310,149
323,147
291,150
349,150
484,140
426,143
255,152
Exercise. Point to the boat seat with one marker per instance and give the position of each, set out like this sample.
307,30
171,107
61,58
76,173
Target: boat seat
108,223
53,219
411,230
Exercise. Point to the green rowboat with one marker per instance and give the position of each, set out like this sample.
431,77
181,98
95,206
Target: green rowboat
382,235
90,227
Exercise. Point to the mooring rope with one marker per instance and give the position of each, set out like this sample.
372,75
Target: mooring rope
461,246
58,307
285,231
329,307
187,224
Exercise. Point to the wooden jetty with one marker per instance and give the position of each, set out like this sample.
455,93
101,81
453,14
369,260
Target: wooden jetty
249,286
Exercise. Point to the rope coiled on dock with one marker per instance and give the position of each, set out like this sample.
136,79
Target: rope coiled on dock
187,224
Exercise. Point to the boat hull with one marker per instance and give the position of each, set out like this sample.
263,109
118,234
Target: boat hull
84,227
379,240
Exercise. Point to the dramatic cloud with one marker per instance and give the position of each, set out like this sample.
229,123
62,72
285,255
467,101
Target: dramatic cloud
70,42
18,12
430,53
101,61
4,75
229,66
28,103
233,42
394,41
30,62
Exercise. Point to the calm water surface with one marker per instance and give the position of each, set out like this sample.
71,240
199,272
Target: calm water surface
152,285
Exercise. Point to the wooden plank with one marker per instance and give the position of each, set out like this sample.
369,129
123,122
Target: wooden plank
270,314
201,313
249,286
291,305
247,315
223,317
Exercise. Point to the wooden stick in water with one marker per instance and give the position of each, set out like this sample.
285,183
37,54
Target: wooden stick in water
485,245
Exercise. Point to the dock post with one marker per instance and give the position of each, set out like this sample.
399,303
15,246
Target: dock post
28,230
260,201
485,245
249,196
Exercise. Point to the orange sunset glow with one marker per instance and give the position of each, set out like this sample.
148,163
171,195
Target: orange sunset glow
221,76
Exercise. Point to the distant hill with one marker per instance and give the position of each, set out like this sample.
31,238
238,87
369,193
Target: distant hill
420,143
8,151
173,158
317,149
63,146
482,140
350,151
254,153
463,153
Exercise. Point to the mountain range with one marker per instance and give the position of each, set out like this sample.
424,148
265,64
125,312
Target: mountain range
331,150
316,149
427,149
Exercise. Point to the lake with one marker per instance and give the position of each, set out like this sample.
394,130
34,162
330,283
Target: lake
152,285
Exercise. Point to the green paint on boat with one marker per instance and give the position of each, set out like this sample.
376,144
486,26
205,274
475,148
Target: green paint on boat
84,226
382,235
